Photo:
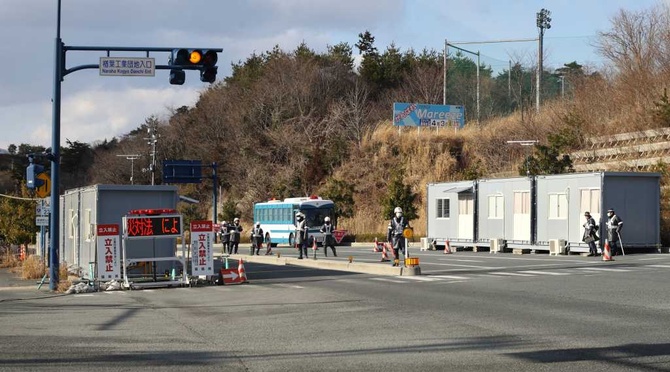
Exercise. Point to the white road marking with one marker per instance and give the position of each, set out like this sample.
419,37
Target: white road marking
602,269
419,278
543,272
660,266
510,274
388,280
456,277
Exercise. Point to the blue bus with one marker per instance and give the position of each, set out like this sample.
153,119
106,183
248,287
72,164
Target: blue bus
277,217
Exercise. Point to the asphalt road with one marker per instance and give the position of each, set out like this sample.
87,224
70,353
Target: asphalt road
468,312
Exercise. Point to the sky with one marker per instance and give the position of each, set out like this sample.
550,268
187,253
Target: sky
94,107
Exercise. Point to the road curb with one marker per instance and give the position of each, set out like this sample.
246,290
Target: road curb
356,267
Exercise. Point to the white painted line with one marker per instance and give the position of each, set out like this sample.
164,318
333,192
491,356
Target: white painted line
603,269
388,280
549,258
543,273
83,295
660,266
419,278
461,260
477,266
510,274
456,277
651,258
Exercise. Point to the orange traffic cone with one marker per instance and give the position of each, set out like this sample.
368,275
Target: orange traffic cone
268,249
376,248
23,252
447,247
385,256
607,253
241,272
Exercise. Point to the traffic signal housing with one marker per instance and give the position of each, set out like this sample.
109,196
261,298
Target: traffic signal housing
203,60
32,171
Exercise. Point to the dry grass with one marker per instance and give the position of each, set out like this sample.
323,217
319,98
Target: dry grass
33,268
9,259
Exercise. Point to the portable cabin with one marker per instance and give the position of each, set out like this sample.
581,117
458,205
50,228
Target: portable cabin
505,211
562,200
451,213
84,208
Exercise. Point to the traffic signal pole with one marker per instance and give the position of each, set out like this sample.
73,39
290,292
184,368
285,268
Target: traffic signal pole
60,71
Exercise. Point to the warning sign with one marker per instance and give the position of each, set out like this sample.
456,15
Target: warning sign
338,235
231,276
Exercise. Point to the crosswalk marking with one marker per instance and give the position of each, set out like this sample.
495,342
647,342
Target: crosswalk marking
454,277
602,269
543,272
511,274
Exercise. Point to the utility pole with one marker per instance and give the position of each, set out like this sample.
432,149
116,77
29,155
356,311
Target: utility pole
543,22
153,138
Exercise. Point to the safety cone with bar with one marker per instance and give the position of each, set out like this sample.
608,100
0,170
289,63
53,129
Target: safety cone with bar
385,256
314,247
607,252
242,272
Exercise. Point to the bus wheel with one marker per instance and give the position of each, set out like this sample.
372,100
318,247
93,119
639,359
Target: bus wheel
291,240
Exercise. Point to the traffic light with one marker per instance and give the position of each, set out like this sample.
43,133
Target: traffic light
209,68
32,171
193,59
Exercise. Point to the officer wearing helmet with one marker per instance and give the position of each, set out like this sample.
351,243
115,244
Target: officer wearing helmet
235,231
256,238
396,227
301,230
614,226
328,240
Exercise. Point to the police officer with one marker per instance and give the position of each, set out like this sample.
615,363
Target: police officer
256,239
225,237
301,230
235,231
328,240
614,225
590,236
395,233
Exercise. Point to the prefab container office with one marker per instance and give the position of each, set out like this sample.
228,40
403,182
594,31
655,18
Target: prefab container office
84,208
562,200
451,212
504,210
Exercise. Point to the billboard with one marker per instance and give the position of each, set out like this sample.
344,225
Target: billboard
424,115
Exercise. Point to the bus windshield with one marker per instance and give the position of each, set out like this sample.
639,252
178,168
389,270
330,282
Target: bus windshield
315,216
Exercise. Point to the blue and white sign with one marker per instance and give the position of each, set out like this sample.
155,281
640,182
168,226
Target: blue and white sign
424,115
127,66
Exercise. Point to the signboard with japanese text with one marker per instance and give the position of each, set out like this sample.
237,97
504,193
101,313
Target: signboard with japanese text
202,248
153,226
127,66
109,254
43,207
424,115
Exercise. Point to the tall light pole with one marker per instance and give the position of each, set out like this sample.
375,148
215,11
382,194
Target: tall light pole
543,23
132,159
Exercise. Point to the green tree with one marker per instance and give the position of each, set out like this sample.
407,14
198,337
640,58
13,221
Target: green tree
228,211
662,110
342,194
399,195
17,218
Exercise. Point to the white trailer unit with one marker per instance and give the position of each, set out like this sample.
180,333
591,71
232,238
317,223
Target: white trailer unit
504,211
451,213
84,208
562,200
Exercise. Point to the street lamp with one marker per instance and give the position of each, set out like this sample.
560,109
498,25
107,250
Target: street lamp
132,159
526,143
543,22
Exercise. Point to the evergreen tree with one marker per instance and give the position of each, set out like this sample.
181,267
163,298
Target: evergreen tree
399,195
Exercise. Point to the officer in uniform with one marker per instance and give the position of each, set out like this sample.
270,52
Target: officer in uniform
395,233
614,225
256,239
235,231
328,240
301,230
225,237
